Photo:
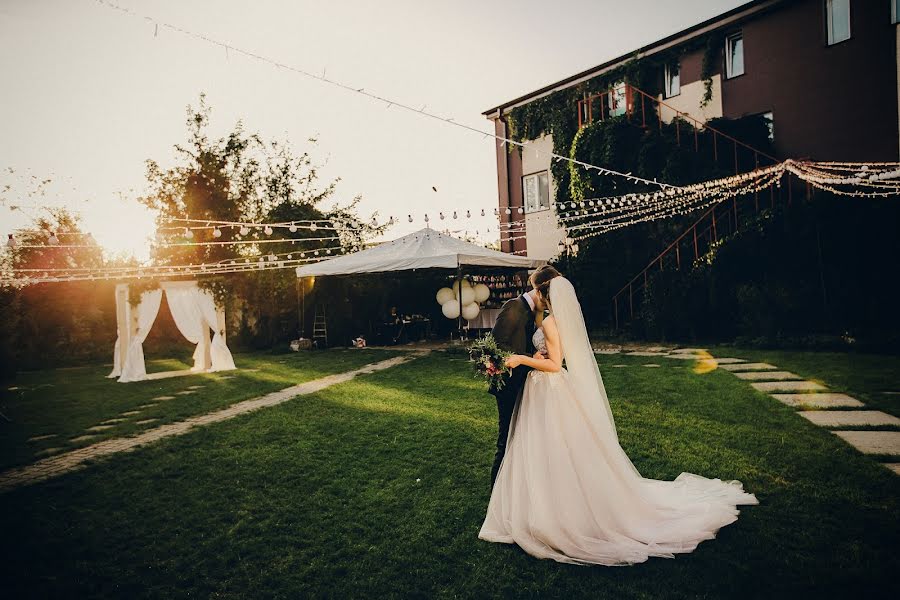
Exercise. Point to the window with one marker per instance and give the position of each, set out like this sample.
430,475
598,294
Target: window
734,55
837,20
617,100
895,10
536,188
672,79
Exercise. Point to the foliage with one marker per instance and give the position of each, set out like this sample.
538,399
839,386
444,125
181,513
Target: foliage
489,361
243,178
377,488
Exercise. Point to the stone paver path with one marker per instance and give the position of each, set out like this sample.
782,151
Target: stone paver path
38,438
730,361
767,376
844,418
164,398
873,442
100,427
60,464
819,400
131,413
812,395
145,421
113,421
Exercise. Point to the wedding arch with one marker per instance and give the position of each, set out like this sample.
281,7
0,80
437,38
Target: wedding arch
194,312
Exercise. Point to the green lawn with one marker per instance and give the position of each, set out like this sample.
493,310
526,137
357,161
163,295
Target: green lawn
866,377
66,402
377,488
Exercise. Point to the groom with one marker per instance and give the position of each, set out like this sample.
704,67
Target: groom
513,332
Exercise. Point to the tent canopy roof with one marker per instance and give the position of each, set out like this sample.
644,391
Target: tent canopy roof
424,249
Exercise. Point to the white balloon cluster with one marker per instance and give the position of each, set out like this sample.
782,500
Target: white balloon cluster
462,292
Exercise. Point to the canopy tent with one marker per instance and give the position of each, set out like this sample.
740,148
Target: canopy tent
194,312
424,249
427,249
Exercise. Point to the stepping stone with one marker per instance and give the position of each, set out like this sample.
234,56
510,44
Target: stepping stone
840,418
82,438
767,375
686,356
821,400
645,353
729,361
164,398
607,351
895,467
111,421
131,413
748,367
195,387
872,442
618,366
656,349
100,427
185,392
226,377
151,405
891,393
38,438
651,365
251,370
688,351
48,451
145,421
788,386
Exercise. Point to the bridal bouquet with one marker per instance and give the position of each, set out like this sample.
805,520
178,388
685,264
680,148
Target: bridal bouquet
490,361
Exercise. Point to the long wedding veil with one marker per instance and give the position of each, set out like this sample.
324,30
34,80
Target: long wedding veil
581,364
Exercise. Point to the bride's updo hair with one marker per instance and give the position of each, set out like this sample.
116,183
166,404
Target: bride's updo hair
541,278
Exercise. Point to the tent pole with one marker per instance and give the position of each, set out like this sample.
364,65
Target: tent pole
459,278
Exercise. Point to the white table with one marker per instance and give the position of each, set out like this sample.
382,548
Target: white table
486,319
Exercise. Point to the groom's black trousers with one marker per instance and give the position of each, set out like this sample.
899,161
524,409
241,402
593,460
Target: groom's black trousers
506,404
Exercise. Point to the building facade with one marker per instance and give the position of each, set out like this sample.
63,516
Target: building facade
825,72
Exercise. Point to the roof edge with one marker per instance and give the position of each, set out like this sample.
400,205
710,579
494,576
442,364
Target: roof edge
719,21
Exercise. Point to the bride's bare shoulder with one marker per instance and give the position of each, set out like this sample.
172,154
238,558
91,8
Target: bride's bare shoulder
549,325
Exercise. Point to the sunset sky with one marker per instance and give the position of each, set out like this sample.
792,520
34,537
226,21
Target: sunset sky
89,94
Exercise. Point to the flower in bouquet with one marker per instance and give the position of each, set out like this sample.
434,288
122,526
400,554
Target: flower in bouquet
490,361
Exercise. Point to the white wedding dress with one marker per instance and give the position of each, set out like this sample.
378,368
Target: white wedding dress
566,490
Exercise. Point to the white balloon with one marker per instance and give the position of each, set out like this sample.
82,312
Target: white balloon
444,295
470,311
468,295
460,282
482,292
450,309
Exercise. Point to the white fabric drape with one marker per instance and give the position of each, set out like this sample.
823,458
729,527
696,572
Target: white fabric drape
134,368
220,355
194,313
117,351
188,317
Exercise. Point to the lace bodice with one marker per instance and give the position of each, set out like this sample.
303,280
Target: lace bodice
539,341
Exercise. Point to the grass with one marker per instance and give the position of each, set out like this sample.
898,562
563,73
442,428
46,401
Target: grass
66,402
866,377
377,488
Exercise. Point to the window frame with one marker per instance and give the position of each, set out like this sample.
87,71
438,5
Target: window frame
828,13
729,40
537,177
667,79
894,12
613,110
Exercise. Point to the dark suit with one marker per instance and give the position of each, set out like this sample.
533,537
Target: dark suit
513,332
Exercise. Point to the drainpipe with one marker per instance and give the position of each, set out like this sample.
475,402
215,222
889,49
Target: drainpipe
505,148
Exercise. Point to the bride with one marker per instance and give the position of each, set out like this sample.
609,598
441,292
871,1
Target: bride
566,490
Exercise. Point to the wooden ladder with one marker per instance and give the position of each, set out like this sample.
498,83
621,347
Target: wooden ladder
320,329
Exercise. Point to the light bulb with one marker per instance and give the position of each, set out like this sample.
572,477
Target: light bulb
410,218
244,230
188,234
53,239
313,227
292,228
217,233
11,241
267,230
